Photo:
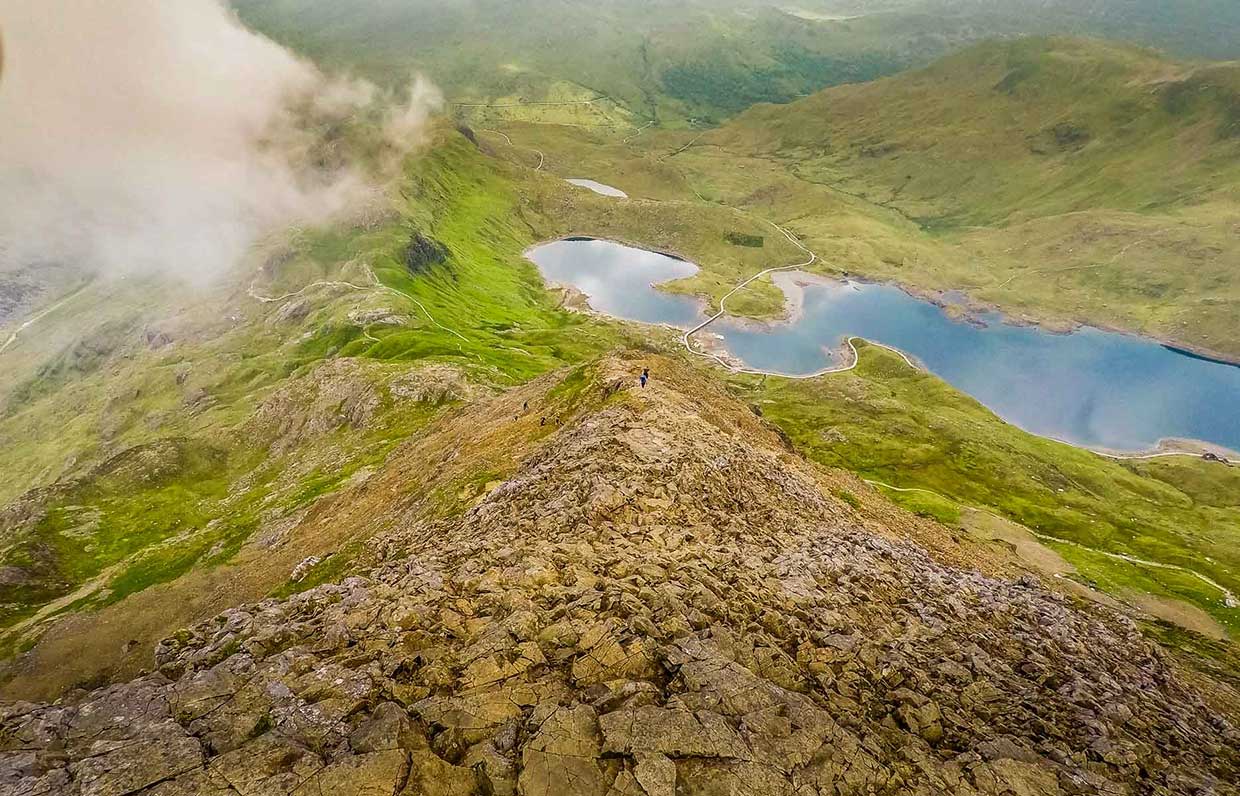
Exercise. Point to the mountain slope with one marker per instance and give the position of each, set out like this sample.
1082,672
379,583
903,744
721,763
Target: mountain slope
703,59
660,598
1010,131
150,431
1064,181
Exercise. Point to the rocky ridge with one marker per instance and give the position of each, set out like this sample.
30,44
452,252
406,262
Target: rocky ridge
662,600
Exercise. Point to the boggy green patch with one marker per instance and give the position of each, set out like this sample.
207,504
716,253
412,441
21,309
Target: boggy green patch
140,498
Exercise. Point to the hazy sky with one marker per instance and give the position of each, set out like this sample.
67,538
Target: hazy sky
142,134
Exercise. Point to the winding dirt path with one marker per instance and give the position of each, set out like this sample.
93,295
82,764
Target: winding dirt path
1229,598
638,132
317,284
35,319
686,338
1123,457
377,285
542,159
557,103
1071,268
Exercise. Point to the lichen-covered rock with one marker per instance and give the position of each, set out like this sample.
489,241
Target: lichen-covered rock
662,601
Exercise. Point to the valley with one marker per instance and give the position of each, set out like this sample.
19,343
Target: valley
1087,387
931,488
863,420
1127,262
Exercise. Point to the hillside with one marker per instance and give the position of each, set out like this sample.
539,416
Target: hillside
659,599
1008,132
401,390
152,456
703,59
314,486
151,431
1064,181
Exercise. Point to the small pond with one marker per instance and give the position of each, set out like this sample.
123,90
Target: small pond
600,188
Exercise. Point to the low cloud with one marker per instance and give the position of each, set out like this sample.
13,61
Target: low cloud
162,135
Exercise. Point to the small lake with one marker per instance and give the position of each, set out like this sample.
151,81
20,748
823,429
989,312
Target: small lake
599,188
1092,388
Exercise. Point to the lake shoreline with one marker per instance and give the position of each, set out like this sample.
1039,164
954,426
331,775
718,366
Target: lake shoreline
841,355
973,313
972,309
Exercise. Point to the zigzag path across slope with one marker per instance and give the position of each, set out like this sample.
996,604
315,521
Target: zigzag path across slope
1229,597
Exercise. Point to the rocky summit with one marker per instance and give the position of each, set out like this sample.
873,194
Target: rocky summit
662,599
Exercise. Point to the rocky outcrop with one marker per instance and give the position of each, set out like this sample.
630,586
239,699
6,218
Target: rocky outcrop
340,393
661,601
424,253
346,393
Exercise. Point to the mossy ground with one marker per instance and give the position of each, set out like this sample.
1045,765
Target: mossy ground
898,426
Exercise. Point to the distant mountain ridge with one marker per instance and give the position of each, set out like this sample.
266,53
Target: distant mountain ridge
1012,130
700,59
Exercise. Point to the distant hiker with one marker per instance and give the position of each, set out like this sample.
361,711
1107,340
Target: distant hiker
542,421
526,407
645,377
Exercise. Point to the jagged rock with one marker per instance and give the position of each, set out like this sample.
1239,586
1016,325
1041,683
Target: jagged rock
372,774
376,317
338,393
303,568
431,776
290,311
156,338
656,774
564,754
268,764
387,728
423,253
660,600
120,767
676,732
433,384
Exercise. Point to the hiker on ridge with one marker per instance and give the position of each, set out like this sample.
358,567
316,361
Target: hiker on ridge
645,377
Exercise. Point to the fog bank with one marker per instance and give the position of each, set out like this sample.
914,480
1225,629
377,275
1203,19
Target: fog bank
151,135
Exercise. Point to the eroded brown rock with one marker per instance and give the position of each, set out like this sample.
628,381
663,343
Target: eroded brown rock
661,601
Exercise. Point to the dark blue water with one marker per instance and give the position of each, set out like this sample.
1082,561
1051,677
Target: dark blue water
1092,388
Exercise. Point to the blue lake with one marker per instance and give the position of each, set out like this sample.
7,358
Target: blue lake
1092,388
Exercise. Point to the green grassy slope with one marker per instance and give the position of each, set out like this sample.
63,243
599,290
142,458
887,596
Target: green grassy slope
149,460
703,59
1063,180
1010,131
